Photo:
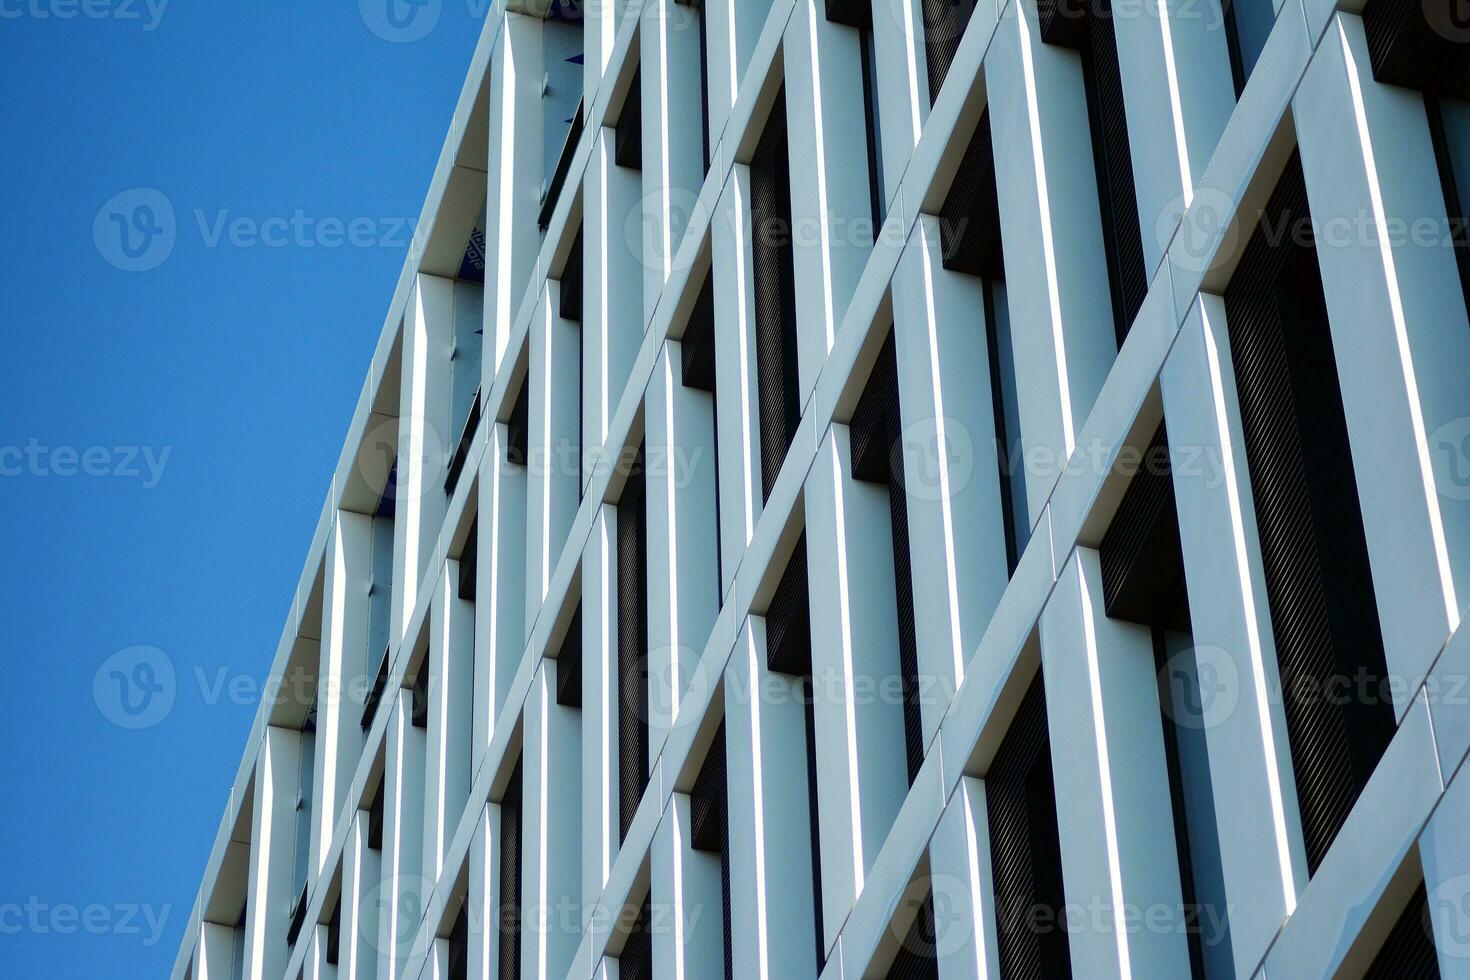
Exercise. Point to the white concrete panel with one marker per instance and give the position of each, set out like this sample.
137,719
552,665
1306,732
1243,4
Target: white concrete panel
612,301
599,705
862,773
514,179
1400,336
732,29
772,911
423,440
214,958
552,492
1174,60
1107,750
736,392
500,628
831,210
346,674
484,886
1444,850
957,535
449,740
1056,273
966,943
683,577
551,847
688,933
1245,727
673,136
273,827
903,84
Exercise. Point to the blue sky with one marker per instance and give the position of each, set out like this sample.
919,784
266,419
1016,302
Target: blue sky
169,432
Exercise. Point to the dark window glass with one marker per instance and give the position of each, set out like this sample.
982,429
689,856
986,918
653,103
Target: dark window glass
775,296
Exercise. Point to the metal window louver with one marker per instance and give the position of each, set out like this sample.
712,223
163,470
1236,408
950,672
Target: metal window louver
509,896
775,295
944,27
632,535
1025,850
569,664
1408,952
917,957
1313,552
710,826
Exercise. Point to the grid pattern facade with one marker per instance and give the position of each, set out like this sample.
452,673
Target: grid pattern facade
895,488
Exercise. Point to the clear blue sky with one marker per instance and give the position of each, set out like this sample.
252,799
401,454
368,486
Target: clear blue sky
168,435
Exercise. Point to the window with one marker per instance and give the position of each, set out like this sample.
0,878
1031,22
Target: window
420,690
569,664
469,560
518,428
509,919
375,819
970,236
562,112
380,594
710,830
877,457
635,962
1417,45
465,355
917,959
628,134
1313,551
334,934
459,945
1247,25
1143,582
1449,130
859,14
239,954
777,379
632,520
1090,32
569,307
944,27
1025,851
1409,951
789,651
697,350
301,868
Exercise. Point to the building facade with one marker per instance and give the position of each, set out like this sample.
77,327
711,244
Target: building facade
895,488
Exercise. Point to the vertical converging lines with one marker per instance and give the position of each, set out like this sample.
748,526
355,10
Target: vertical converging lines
879,596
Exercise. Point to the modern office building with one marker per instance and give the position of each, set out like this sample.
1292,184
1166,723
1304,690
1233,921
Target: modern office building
895,488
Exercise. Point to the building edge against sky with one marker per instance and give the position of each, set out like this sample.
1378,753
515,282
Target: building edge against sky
890,488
